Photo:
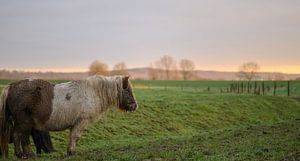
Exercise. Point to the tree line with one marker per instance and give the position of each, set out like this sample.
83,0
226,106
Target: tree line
100,68
165,68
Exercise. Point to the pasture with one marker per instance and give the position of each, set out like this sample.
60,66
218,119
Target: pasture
183,120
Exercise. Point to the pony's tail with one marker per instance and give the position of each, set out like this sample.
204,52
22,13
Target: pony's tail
5,125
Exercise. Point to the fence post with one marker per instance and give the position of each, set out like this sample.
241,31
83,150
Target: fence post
275,86
242,87
288,88
248,88
255,86
263,88
234,88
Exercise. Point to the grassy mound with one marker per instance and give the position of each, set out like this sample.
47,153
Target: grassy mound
279,141
175,124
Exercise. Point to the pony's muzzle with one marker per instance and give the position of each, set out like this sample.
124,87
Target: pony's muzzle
133,107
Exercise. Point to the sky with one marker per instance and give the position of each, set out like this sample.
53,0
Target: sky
67,35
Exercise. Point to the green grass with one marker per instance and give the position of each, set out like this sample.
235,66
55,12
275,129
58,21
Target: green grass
279,141
203,84
191,125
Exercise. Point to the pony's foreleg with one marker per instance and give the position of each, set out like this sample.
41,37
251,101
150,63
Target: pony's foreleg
75,134
37,141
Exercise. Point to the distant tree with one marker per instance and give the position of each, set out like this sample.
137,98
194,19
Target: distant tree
167,64
186,68
120,69
153,72
248,71
98,68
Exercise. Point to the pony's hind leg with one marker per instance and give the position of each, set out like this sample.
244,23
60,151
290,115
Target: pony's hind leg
17,142
22,129
25,142
75,134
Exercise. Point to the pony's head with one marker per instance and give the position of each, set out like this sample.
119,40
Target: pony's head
127,101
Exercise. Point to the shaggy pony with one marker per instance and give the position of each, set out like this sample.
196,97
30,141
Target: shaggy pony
72,105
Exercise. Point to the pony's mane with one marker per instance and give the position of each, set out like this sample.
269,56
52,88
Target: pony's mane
108,89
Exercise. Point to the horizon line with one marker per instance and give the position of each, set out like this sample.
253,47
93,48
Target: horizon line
83,70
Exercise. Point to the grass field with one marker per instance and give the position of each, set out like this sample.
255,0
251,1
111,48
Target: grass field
204,85
217,86
177,124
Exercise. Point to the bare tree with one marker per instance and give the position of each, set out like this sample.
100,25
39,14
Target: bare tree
167,64
120,69
98,68
186,68
248,71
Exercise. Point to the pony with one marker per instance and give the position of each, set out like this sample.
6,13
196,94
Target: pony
37,104
42,141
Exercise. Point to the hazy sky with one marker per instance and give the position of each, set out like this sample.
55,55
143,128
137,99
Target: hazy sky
216,34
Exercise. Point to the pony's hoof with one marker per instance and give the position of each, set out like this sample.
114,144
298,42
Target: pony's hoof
24,157
29,155
19,155
71,153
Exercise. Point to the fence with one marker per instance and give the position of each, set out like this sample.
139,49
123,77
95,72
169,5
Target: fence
276,88
283,88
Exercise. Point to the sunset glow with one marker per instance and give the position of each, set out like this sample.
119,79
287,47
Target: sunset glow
280,69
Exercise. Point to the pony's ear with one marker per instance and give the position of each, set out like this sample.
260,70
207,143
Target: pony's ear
125,81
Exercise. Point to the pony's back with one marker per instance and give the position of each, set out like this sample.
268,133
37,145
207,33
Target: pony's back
33,96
